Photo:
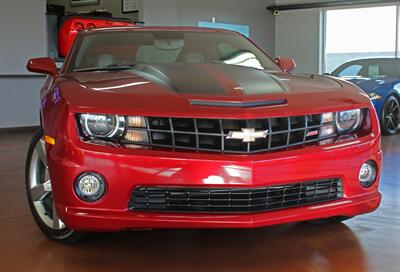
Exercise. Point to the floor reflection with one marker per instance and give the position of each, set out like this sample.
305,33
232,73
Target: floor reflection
294,247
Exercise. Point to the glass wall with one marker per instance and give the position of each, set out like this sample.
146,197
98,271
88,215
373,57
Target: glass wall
360,33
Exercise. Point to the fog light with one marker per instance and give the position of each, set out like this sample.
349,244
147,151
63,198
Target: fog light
368,174
90,186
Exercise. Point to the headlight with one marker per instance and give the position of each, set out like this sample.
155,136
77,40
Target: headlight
348,121
101,126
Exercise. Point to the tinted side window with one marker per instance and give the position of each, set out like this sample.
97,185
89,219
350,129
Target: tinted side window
384,68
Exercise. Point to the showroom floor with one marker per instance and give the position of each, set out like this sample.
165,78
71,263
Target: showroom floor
366,243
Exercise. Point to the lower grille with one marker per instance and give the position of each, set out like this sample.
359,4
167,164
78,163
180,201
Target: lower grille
234,200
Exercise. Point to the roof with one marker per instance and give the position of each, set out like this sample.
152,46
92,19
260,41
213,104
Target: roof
378,59
158,28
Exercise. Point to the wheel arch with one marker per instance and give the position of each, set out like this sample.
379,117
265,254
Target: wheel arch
395,94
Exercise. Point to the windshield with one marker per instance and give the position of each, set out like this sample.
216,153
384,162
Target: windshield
123,49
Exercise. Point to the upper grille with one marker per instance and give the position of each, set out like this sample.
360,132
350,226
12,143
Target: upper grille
234,200
211,134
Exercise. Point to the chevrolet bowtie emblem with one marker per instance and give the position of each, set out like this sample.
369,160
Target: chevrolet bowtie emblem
247,135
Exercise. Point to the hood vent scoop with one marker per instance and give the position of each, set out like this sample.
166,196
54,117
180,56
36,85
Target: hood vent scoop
235,104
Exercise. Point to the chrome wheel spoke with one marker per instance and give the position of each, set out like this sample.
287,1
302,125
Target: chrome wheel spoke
57,223
41,151
40,191
43,214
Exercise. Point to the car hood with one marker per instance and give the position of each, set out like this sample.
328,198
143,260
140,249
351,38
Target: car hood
372,84
171,89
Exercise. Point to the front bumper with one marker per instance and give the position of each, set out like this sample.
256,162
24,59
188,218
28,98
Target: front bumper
125,169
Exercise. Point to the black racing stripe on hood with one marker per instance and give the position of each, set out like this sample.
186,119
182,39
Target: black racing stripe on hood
251,81
181,78
207,79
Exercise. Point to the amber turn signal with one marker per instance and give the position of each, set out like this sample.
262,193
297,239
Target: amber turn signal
49,140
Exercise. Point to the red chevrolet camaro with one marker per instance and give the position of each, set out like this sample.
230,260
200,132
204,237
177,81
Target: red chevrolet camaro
194,128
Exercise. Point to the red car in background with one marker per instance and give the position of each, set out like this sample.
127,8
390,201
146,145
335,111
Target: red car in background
72,24
163,127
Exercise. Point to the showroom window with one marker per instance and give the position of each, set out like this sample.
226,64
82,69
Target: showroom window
359,33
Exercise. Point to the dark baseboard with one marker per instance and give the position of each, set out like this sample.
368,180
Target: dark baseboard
19,129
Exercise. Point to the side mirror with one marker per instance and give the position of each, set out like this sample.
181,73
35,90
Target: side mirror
286,64
42,66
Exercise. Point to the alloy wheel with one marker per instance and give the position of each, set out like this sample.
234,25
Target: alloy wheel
40,188
392,116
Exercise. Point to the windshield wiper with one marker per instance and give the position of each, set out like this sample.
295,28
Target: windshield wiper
111,67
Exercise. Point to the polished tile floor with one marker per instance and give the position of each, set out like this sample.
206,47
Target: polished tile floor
366,243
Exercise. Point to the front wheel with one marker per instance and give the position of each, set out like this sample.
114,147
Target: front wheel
391,116
40,196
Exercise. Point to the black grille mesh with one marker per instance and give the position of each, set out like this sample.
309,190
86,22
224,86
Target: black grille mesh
211,134
234,200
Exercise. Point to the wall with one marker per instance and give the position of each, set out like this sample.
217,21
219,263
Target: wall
299,35
113,6
19,101
22,32
21,39
159,12
190,12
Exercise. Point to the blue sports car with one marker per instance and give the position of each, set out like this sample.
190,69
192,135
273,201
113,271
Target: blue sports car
380,79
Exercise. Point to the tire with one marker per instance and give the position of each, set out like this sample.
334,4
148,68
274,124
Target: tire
390,116
40,197
329,220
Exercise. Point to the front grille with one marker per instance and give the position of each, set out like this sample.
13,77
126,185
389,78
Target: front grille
211,134
234,200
